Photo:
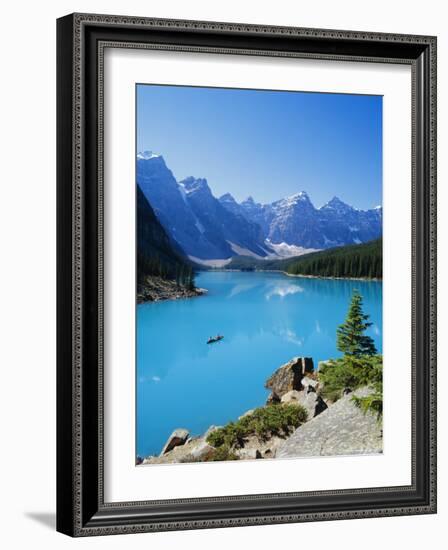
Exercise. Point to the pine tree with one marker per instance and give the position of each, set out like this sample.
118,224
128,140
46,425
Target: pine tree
190,280
351,339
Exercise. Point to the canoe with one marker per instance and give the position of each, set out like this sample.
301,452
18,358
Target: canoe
215,339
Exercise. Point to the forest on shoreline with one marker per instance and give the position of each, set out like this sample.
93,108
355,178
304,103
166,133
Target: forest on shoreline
353,261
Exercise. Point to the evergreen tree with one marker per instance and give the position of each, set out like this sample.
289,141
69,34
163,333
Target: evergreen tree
190,284
359,260
351,339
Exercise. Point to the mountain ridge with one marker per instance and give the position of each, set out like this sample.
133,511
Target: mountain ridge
209,228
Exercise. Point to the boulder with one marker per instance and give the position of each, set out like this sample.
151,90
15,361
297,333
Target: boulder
196,449
289,376
309,399
248,454
178,437
292,396
255,447
309,383
198,452
341,429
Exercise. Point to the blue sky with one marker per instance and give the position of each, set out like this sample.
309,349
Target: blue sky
267,144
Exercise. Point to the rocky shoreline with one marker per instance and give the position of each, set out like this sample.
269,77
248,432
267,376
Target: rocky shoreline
332,278
299,275
156,289
298,422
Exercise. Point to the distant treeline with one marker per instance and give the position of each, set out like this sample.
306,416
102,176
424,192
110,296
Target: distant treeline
360,260
182,273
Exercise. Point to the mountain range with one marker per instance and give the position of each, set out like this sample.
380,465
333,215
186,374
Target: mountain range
210,229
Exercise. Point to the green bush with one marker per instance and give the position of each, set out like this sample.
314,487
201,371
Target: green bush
276,419
222,453
352,372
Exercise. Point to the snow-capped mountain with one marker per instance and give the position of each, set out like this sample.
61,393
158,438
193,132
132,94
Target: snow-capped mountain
296,221
342,223
293,222
207,228
193,217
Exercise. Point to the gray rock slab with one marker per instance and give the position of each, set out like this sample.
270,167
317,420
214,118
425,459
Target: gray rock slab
341,429
310,400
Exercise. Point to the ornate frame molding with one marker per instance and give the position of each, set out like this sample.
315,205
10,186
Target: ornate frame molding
81,42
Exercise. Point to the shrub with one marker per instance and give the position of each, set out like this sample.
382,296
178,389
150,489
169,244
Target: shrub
275,419
222,453
354,372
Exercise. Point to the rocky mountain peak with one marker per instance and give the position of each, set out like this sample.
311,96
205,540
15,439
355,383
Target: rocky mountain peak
147,155
194,185
337,204
227,198
249,200
300,200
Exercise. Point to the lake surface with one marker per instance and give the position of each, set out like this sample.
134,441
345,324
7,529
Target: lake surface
266,319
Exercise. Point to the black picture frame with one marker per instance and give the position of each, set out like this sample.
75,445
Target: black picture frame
81,510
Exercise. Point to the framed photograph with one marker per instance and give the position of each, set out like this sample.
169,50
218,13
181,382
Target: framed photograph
246,274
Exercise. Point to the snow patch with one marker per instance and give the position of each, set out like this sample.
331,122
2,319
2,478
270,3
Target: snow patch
146,155
210,263
183,192
329,242
241,251
293,199
199,226
285,250
273,250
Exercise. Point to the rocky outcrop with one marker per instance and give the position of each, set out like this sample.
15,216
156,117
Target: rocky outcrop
181,448
254,447
289,377
308,398
178,437
155,289
328,429
194,450
308,381
340,429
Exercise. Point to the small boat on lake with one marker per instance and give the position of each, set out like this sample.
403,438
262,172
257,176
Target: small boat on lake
214,339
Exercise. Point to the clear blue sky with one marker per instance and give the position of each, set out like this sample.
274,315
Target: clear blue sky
267,144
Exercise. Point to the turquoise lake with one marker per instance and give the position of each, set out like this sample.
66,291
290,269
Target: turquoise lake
266,319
